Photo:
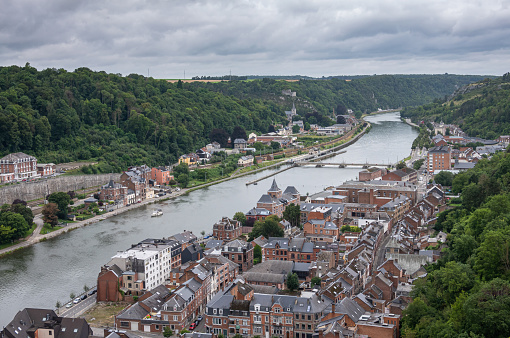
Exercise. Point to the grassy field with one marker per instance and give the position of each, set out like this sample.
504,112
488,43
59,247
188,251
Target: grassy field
103,314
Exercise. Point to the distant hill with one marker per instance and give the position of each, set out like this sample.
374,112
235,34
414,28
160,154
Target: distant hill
62,116
481,109
360,93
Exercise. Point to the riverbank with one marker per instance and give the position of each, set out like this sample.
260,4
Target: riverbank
37,237
408,121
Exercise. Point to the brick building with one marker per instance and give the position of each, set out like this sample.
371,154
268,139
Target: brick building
275,200
240,253
114,192
371,174
439,158
227,229
161,175
17,167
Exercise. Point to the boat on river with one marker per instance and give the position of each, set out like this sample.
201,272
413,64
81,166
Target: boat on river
157,212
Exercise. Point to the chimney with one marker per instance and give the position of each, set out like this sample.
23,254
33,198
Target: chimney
333,307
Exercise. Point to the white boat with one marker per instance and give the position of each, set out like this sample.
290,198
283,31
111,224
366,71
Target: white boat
157,212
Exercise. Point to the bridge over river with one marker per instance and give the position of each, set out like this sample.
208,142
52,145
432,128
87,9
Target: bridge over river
343,164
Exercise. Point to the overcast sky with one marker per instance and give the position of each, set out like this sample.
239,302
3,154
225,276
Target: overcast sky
264,37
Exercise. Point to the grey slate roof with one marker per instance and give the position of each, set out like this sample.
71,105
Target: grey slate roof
291,190
281,241
185,292
213,243
274,186
264,289
259,211
265,199
273,266
264,277
350,308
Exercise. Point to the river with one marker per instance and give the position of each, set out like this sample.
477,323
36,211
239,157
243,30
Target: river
40,275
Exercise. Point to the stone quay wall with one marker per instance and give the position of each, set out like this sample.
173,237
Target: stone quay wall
32,190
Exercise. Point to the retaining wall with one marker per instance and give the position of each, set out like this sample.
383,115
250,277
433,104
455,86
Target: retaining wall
28,191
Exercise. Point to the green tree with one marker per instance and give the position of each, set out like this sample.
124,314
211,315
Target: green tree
72,295
417,311
417,164
292,213
182,168
295,129
49,212
492,258
6,234
257,254
220,136
238,132
292,281
14,225
445,178
241,217
463,247
487,312
316,281
61,199
183,180
167,332
471,196
270,227
275,145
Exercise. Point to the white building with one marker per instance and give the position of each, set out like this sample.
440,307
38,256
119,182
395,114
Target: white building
150,260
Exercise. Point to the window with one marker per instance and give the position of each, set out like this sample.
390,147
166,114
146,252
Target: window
50,332
124,324
277,310
216,321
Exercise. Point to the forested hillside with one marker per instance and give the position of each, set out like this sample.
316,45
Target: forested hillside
361,94
481,109
467,293
62,116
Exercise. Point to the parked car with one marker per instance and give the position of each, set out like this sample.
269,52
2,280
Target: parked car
192,326
83,297
199,318
69,305
91,292
77,300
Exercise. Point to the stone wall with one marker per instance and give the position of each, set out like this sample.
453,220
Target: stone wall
28,191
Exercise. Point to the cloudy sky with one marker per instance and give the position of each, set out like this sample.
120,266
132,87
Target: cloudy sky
262,37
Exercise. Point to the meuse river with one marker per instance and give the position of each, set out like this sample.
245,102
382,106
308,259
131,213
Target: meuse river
40,275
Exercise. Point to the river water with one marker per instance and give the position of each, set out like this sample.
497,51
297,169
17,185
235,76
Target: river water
40,275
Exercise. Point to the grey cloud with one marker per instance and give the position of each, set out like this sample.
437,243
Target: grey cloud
308,37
